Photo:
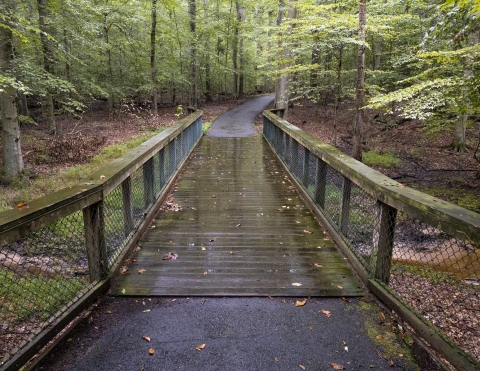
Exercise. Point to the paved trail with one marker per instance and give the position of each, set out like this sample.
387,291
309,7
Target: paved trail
239,121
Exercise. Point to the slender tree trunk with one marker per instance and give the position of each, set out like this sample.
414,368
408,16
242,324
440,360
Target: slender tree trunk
282,84
111,95
12,152
153,67
240,34
208,75
459,141
235,55
47,61
338,90
193,96
315,60
358,130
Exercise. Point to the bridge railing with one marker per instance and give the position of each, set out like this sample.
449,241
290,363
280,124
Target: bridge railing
57,253
408,247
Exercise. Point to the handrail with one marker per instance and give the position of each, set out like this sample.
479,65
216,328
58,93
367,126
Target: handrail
383,226
71,242
454,220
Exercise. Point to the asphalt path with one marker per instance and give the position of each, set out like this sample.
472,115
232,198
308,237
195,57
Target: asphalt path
238,122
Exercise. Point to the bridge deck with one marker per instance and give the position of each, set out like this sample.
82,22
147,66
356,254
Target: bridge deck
242,231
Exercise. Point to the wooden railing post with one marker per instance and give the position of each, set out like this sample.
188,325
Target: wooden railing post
383,238
306,168
320,183
288,150
127,206
161,167
148,183
94,224
345,205
294,154
171,157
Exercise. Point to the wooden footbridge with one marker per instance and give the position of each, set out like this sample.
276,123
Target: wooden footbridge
241,218
240,229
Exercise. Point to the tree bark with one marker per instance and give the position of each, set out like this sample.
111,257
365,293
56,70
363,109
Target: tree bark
208,75
153,67
48,61
282,82
240,35
193,96
12,152
235,55
358,130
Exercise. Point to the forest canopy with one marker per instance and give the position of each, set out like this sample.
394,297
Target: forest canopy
421,58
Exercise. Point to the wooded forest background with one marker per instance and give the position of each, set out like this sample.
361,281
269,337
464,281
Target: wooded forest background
420,58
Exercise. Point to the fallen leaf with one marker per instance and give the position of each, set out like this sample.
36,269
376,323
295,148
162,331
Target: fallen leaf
22,206
102,176
151,351
305,231
170,256
326,312
382,315
200,347
299,303
296,284
146,338
174,299
318,265
336,366
379,337
108,312
391,364
340,287
238,225
203,248
143,367
346,300
400,185
193,208
231,252
213,239
346,348
140,271
147,310
123,291
302,367
205,273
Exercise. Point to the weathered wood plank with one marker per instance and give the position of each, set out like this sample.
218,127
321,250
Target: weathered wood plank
241,230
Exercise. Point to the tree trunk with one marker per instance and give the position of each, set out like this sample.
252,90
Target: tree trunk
338,90
12,152
282,94
48,61
358,130
193,96
208,75
111,95
235,56
241,73
153,67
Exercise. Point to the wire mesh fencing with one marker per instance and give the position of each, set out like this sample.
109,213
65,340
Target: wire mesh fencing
51,259
420,254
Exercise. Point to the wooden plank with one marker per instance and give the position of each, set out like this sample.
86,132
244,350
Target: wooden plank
241,230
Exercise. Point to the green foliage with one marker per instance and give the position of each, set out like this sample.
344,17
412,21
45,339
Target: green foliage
386,159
